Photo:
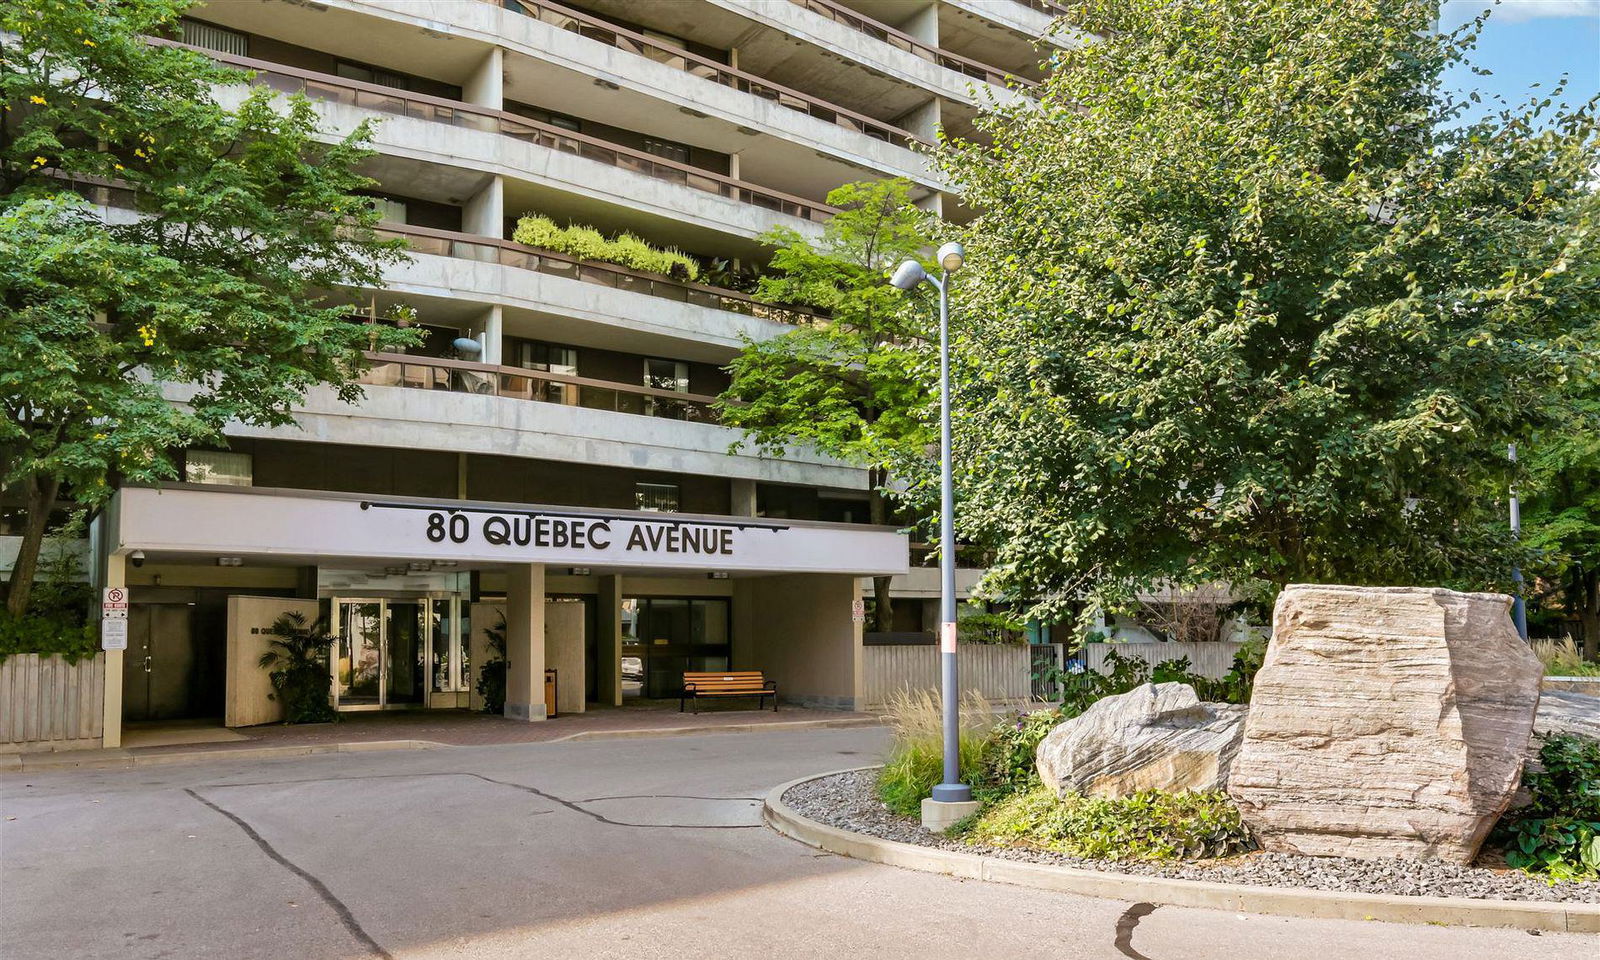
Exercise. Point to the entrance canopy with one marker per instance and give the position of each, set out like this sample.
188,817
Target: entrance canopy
190,521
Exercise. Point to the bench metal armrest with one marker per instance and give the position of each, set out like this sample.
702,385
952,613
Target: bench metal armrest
770,684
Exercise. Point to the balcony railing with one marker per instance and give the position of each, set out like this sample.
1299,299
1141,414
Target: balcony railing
372,96
599,30
467,246
905,41
484,379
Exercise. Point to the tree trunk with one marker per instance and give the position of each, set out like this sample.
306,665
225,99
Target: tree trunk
41,499
882,604
1589,611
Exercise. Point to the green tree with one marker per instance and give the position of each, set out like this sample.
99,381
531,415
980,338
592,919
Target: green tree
1561,514
1251,301
854,383
297,656
245,218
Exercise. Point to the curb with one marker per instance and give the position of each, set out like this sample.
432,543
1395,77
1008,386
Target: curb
780,726
1236,898
122,759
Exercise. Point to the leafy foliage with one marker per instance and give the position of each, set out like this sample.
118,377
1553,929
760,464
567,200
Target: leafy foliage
990,627
1149,825
491,683
1561,658
1561,515
852,384
915,763
1250,302
245,219
1558,834
587,243
298,658
1010,749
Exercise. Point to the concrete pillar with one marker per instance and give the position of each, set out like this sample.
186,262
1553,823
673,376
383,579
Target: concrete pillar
486,86
525,642
608,645
933,203
923,24
733,165
111,718
744,497
922,120
484,213
806,638
492,328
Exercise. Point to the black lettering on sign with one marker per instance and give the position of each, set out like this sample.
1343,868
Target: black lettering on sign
558,533
541,532
521,530
691,539
599,526
725,539
636,539
497,530
436,527
458,528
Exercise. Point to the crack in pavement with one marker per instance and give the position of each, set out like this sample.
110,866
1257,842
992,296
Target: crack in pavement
1125,926
345,916
573,805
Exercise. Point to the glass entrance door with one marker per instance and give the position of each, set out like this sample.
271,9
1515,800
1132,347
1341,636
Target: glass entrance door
389,649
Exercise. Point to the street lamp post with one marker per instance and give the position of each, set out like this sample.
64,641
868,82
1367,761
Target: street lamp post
951,799
1519,606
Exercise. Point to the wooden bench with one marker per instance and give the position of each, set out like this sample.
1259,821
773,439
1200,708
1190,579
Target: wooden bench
729,683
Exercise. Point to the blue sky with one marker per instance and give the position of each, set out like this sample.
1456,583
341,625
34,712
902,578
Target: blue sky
1528,42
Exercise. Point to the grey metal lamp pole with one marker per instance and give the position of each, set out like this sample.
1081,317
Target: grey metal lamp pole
906,277
1519,606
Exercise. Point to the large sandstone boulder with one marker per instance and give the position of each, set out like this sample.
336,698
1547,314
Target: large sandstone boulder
1386,722
1155,737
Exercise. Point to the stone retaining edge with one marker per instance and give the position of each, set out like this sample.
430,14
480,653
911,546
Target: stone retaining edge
778,726
1238,898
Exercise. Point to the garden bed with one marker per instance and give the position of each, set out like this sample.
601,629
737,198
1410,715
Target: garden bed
849,801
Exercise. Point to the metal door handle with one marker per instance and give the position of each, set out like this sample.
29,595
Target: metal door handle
147,663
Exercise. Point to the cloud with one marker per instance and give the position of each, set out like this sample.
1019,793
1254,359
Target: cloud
1457,12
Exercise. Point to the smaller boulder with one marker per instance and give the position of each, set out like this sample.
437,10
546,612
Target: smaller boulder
1156,737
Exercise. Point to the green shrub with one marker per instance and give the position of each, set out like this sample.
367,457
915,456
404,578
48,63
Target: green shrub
1008,752
297,655
491,683
915,763
46,633
1558,834
587,243
1562,658
1150,825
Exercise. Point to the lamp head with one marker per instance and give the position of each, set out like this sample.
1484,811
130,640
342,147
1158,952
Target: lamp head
951,256
467,347
908,275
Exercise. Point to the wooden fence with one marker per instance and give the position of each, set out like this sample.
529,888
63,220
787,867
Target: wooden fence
1212,660
996,671
47,703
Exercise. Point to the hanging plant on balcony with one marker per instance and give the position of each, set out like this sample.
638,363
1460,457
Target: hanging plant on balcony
586,243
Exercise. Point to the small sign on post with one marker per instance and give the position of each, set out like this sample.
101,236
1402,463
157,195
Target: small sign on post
114,603
114,633
858,611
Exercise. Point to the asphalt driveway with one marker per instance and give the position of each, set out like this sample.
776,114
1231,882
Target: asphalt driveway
629,848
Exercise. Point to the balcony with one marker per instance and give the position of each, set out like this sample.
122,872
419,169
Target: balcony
629,41
906,42
466,246
419,106
489,380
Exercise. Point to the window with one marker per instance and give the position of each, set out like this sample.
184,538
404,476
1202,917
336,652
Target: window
207,37
379,76
666,375
656,497
218,467
389,211
548,357
667,149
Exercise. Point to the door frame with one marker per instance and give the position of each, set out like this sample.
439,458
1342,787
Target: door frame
459,608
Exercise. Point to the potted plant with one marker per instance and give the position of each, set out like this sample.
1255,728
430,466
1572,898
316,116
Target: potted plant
298,659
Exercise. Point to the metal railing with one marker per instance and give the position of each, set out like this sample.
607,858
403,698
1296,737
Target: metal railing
468,246
420,106
485,379
905,41
705,68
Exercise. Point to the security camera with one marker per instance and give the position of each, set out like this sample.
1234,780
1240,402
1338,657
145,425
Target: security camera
137,557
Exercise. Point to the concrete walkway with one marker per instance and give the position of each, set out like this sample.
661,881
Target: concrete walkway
188,740
633,848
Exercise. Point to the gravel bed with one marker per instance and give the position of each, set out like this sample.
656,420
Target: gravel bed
849,801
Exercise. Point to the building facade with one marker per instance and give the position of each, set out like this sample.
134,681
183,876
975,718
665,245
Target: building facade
549,457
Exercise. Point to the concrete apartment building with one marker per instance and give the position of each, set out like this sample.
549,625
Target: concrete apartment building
570,477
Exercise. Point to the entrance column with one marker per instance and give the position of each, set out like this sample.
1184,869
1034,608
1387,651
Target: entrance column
525,642
608,645
111,705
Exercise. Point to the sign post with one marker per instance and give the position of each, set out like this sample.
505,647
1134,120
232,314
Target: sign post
114,618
